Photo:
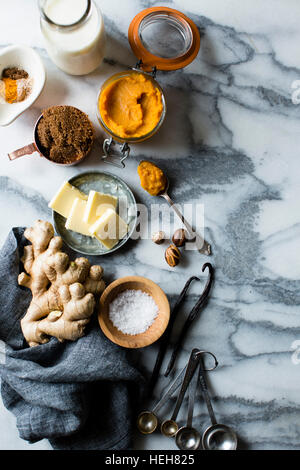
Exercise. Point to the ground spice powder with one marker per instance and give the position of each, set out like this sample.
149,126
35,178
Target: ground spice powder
14,73
16,84
11,90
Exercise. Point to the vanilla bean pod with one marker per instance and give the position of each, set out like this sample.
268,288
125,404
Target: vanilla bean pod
193,314
166,336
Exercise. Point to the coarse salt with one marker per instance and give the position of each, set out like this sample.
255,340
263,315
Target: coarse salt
133,311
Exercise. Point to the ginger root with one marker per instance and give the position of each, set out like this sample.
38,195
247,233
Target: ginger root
62,291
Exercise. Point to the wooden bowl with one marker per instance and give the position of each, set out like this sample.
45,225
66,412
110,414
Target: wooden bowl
154,331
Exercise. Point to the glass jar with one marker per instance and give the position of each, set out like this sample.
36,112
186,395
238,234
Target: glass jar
162,39
151,132
74,34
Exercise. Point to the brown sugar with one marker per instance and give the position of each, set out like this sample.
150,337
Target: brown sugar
65,134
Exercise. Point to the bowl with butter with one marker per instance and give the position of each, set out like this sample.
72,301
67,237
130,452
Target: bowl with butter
95,213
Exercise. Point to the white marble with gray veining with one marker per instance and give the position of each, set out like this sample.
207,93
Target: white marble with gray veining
231,141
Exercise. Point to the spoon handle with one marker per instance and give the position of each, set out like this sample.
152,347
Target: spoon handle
204,247
173,387
191,367
204,389
192,394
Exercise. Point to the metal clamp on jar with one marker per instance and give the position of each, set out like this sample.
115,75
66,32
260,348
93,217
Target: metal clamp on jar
162,39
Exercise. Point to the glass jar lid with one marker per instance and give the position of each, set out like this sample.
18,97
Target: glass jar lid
164,38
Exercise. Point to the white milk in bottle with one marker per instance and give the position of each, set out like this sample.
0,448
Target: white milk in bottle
74,34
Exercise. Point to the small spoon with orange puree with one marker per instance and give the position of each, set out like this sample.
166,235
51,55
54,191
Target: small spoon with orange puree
153,179
155,182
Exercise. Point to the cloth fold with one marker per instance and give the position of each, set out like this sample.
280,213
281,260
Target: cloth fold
80,395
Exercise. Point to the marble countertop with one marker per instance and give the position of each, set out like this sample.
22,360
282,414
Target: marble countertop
231,142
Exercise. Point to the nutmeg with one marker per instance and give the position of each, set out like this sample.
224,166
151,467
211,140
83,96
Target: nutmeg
172,255
159,237
179,237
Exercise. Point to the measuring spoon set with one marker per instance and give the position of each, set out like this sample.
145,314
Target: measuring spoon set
215,437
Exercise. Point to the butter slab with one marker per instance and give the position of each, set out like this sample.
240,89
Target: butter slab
109,229
63,200
75,220
97,204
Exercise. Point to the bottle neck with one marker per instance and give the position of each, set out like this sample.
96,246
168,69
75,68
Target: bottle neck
64,26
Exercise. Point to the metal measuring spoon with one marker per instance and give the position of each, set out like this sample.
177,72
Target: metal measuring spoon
204,247
147,420
187,437
217,436
169,427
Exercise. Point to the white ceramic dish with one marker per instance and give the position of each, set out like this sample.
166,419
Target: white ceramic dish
25,58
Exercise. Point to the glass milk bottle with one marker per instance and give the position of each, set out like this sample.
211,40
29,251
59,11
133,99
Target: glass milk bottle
74,34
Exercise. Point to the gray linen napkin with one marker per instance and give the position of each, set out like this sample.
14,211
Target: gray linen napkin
79,395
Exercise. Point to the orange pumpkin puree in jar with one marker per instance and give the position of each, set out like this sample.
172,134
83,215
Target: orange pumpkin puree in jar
153,179
131,106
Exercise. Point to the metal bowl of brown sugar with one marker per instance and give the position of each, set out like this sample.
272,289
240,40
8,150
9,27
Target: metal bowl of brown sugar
63,135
